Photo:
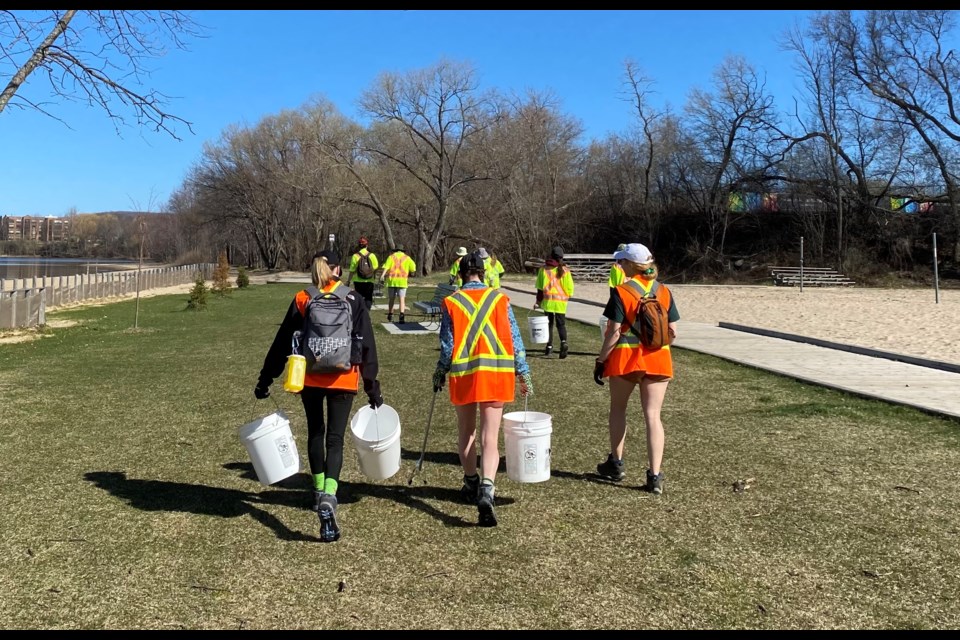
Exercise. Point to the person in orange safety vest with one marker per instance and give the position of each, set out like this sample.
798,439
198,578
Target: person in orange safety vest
337,390
628,363
482,351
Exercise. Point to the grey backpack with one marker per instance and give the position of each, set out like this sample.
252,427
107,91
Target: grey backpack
327,335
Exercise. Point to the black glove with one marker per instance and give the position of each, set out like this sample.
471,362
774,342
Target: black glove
374,397
598,373
439,378
261,391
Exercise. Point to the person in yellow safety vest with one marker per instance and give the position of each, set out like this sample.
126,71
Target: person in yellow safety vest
396,269
494,269
554,288
617,276
482,350
455,267
629,364
363,285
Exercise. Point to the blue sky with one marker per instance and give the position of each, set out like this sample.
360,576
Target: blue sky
257,63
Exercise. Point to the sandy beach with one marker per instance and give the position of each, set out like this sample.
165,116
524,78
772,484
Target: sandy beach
905,321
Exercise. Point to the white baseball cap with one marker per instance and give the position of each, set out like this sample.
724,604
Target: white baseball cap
634,252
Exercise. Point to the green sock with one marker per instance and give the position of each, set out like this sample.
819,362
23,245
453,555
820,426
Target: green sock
330,486
318,481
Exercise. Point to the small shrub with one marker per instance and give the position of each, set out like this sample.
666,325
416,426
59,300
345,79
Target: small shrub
243,280
221,276
198,294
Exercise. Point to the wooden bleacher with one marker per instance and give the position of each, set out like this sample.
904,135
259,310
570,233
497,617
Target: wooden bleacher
590,267
812,277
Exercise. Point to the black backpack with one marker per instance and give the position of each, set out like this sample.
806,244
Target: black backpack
365,266
327,336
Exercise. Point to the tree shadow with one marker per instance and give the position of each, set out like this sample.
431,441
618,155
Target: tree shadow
161,495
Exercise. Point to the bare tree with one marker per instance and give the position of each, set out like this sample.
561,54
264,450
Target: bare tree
732,126
440,112
901,58
97,57
639,91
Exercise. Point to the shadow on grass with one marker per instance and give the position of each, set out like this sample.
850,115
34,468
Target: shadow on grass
445,457
538,353
161,495
413,496
596,479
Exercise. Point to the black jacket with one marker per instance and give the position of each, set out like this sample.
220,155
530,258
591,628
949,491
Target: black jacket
276,359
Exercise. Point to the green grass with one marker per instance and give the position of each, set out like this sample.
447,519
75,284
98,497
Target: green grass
129,500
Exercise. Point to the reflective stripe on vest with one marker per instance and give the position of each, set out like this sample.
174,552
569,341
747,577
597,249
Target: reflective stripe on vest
396,269
554,290
479,327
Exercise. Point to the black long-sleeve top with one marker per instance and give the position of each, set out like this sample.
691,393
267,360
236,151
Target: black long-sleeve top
364,342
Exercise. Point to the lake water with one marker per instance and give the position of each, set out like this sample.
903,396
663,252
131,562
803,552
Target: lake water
12,267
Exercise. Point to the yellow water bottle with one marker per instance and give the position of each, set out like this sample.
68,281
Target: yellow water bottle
294,374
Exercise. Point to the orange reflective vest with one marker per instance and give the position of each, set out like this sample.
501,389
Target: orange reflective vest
348,381
629,355
482,368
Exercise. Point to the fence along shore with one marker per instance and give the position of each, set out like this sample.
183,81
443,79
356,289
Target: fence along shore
25,301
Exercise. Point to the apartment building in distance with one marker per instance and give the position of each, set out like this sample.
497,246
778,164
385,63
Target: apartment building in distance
36,228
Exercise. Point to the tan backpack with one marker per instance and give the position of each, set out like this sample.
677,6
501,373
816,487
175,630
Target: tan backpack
652,324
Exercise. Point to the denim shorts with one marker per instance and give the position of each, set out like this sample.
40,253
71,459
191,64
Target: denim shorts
397,291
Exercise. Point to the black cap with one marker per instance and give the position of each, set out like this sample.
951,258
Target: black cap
556,253
471,262
333,258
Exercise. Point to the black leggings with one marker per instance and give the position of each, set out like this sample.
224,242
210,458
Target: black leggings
338,413
365,289
561,320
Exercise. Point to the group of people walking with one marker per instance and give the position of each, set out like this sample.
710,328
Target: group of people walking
482,360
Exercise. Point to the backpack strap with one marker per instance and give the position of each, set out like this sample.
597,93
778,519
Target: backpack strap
340,291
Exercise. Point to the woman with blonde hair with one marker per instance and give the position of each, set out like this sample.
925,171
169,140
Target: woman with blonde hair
325,437
629,363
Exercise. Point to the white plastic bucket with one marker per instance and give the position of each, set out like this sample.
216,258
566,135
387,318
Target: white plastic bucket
376,436
539,329
272,449
526,438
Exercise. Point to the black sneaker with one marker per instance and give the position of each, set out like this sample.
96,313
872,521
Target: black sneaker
487,516
655,483
548,350
564,350
470,490
402,321
611,469
389,317
329,530
317,497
